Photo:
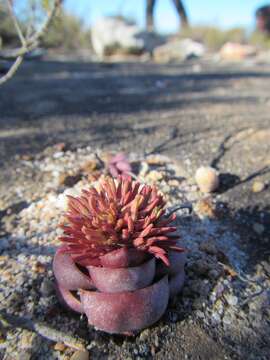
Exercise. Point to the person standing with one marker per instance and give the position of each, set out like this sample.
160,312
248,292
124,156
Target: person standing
263,19
179,6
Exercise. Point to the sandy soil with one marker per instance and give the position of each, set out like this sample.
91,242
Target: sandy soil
196,113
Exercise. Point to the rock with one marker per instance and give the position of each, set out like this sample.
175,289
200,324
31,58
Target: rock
260,303
80,355
235,52
258,228
144,169
89,166
200,314
4,244
151,41
214,274
178,49
200,287
59,346
219,307
207,179
173,317
205,208
258,186
24,356
46,287
260,136
157,159
218,290
143,350
227,318
209,247
266,267
216,318
27,157
69,180
27,339
197,304
39,268
156,341
60,147
201,267
110,35
231,299
154,176
144,335
56,148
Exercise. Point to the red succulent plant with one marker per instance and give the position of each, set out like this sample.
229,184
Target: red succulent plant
119,253
119,165
122,213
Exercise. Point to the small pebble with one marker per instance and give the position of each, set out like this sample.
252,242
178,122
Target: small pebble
80,355
231,299
258,228
200,314
27,339
207,179
144,335
258,186
216,318
227,319
213,274
46,287
205,208
200,267
59,346
154,176
209,247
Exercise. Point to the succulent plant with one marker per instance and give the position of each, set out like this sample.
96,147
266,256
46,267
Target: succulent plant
119,165
120,255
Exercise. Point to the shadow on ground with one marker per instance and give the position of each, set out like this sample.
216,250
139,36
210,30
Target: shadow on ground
80,102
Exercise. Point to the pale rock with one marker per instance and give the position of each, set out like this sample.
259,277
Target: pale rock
59,346
235,51
258,186
178,49
232,300
154,176
109,34
207,179
80,355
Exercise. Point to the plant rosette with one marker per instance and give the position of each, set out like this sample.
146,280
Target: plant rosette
119,262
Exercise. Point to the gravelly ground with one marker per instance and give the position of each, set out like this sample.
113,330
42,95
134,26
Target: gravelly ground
195,113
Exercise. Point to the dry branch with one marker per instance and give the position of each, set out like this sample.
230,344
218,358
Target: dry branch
28,44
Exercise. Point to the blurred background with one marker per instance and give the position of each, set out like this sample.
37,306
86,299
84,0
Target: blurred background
79,23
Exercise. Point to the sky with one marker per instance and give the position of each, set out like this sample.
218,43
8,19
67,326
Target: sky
223,13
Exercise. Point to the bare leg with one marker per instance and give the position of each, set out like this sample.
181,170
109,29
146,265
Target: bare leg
181,12
149,14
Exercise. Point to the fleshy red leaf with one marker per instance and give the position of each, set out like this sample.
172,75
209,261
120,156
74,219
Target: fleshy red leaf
126,311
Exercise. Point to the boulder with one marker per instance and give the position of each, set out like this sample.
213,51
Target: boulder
111,35
178,49
235,51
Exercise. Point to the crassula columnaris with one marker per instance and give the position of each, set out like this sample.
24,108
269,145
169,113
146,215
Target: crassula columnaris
119,261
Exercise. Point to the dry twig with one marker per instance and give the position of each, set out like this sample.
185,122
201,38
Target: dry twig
28,43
